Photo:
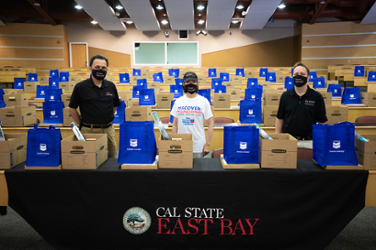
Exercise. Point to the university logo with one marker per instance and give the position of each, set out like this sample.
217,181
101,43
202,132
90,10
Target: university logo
270,77
53,112
146,97
54,83
136,220
43,147
358,70
42,92
319,83
243,145
224,77
176,91
63,77
253,96
52,97
133,142
220,92
336,144
19,84
124,79
351,95
335,91
158,77
374,76
138,92
32,78
250,111
216,83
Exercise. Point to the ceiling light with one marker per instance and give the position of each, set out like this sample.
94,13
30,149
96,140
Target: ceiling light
129,22
234,21
200,7
204,32
201,21
159,7
240,7
244,13
37,4
322,2
94,22
119,7
281,6
79,7
164,22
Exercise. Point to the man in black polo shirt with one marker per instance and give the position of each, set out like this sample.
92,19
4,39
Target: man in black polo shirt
97,99
300,107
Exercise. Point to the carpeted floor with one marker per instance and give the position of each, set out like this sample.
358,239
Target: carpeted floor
359,234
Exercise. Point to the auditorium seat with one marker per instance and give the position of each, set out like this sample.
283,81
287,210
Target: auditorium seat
223,120
304,153
165,119
365,121
217,153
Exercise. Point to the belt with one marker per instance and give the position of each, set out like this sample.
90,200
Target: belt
303,138
88,125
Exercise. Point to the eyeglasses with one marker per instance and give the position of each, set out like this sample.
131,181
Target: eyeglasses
99,67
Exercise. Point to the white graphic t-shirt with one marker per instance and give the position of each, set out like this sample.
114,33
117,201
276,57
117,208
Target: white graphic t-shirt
191,113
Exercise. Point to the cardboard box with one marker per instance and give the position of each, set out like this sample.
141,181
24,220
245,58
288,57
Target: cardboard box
17,116
176,154
366,152
138,113
30,86
281,152
368,98
236,79
66,86
225,165
153,166
67,118
75,79
66,98
10,91
234,94
16,99
44,80
336,114
272,97
3,190
371,86
336,167
360,81
164,100
269,115
13,150
88,154
222,100
327,96
169,79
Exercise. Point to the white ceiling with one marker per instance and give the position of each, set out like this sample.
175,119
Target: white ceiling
259,13
371,16
180,14
219,14
142,14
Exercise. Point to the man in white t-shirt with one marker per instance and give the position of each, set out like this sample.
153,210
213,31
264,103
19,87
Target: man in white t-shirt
189,112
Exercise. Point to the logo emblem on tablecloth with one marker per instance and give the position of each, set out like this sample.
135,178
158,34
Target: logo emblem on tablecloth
136,220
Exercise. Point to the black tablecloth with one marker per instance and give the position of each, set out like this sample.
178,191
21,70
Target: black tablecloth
206,207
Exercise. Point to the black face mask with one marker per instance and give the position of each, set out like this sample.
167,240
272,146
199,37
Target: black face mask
299,80
99,74
190,88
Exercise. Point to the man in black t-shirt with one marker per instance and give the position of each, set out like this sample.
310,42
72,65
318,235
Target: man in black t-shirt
300,107
97,99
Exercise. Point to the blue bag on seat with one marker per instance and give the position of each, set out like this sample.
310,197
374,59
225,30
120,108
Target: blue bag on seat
158,77
146,97
53,94
143,83
254,93
250,112
288,83
19,83
54,73
120,113
212,72
179,81
64,77
53,112
359,71
136,91
241,144
177,90
137,144
41,91
174,72
351,96
319,83
225,77
32,77
43,147
220,89
263,72
271,77
334,144
53,82
312,76
136,72
252,82
205,93
216,82
335,89
372,76
124,77
239,72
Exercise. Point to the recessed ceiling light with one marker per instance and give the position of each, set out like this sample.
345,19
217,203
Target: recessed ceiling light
159,7
201,21
37,4
200,7
119,7
281,6
79,7
164,22
129,22
235,21
322,2
240,7
94,22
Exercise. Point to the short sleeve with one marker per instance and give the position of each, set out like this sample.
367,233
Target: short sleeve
321,111
207,110
75,99
281,108
116,99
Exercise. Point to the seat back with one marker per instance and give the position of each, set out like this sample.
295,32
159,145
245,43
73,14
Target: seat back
217,153
365,121
223,120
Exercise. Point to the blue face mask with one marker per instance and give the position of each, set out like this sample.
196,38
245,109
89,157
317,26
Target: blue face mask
299,80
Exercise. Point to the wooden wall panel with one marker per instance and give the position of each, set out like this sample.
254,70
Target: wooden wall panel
276,53
38,64
30,53
334,40
337,27
115,59
30,41
339,52
32,29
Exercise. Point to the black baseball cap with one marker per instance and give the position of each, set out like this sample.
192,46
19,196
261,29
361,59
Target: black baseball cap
190,76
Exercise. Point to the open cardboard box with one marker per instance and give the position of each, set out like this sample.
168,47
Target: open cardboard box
176,153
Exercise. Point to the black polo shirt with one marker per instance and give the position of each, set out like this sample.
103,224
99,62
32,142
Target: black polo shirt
96,104
300,112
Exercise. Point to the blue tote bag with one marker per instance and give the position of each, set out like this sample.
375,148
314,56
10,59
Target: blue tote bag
43,147
271,77
252,82
2,105
120,113
254,93
312,76
53,112
179,81
263,72
239,72
177,90
220,89
142,83
173,72
1,95
359,71
216,82
137,143
19,83
212,72
124,77
53,95
146,97
41,91
241,144
64,77
171,116
136,72
372,76
334,144
288,83
225,77
53,82
136,91
319,83
205,93
158,77
335,89
54,73
32,77
250,112
351,96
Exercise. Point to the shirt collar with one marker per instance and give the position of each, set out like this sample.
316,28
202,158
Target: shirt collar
104,83
305,94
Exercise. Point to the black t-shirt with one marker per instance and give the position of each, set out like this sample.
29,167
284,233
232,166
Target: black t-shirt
300,112
96,104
